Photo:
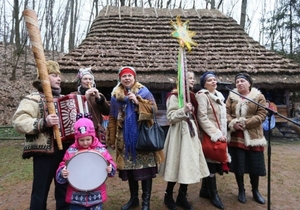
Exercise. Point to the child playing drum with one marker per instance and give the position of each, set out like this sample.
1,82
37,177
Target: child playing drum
85,142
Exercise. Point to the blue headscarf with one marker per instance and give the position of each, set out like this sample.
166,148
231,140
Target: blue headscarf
205,76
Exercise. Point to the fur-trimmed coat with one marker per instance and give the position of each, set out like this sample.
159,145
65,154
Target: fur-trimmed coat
115,130
184,159
249,114
206,117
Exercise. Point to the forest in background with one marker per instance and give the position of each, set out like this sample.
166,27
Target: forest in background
65,23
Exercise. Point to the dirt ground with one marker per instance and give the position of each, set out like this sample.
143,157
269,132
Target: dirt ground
284,187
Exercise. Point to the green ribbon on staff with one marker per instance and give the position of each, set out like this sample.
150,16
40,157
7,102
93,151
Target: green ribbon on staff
181,78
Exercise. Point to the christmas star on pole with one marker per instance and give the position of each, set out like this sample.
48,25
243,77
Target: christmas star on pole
183,34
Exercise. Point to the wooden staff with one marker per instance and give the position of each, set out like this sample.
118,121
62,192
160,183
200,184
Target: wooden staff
31,21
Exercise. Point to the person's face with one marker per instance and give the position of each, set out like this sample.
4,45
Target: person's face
86,81
242,85
54,80
127,80
191,79
211,84
85,141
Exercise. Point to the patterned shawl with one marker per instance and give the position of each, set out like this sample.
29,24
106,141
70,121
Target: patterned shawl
130,124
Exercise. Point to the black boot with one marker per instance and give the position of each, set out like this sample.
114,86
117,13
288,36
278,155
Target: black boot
181,198
169,201
240,182
204,191
254,180
214,196
146,187
134,199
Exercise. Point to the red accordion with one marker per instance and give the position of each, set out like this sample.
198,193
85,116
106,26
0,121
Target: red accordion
67,108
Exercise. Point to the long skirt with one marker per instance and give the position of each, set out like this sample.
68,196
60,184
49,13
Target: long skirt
247,162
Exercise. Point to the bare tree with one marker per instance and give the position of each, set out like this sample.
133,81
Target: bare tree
213,3
219,4
283,28
49,24
73,23
243,13
169,3
64,28
17,39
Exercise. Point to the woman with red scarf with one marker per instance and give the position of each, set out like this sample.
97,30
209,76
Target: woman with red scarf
132,102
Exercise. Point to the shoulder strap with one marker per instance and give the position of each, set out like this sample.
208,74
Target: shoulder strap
213,111
154,114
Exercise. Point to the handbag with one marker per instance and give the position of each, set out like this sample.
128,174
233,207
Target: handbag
150,138
214,150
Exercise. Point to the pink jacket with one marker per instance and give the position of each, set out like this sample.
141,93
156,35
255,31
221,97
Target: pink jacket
83,198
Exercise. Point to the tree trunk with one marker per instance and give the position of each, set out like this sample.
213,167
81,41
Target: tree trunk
213,4
291,29
243,13
17,51
64,28
220,3
71,30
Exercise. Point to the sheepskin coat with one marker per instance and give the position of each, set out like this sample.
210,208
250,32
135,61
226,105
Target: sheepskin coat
206,117
249,114
184,159
29,119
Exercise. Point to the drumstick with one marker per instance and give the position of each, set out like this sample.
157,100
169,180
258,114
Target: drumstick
38,52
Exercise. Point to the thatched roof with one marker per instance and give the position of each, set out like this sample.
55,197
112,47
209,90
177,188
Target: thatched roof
141,37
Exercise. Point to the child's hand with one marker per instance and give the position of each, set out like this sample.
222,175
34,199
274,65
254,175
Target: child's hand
109,168
65,172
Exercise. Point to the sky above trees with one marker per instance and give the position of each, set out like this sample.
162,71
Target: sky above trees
81,13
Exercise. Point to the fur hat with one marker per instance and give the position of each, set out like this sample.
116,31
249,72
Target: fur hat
52,68
85,71
205,76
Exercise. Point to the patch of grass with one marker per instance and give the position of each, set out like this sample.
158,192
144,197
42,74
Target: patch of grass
13,167
8,132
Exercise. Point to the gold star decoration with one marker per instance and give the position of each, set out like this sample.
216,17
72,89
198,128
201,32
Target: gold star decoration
183,34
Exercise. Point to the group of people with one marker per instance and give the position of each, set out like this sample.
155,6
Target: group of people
236,121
